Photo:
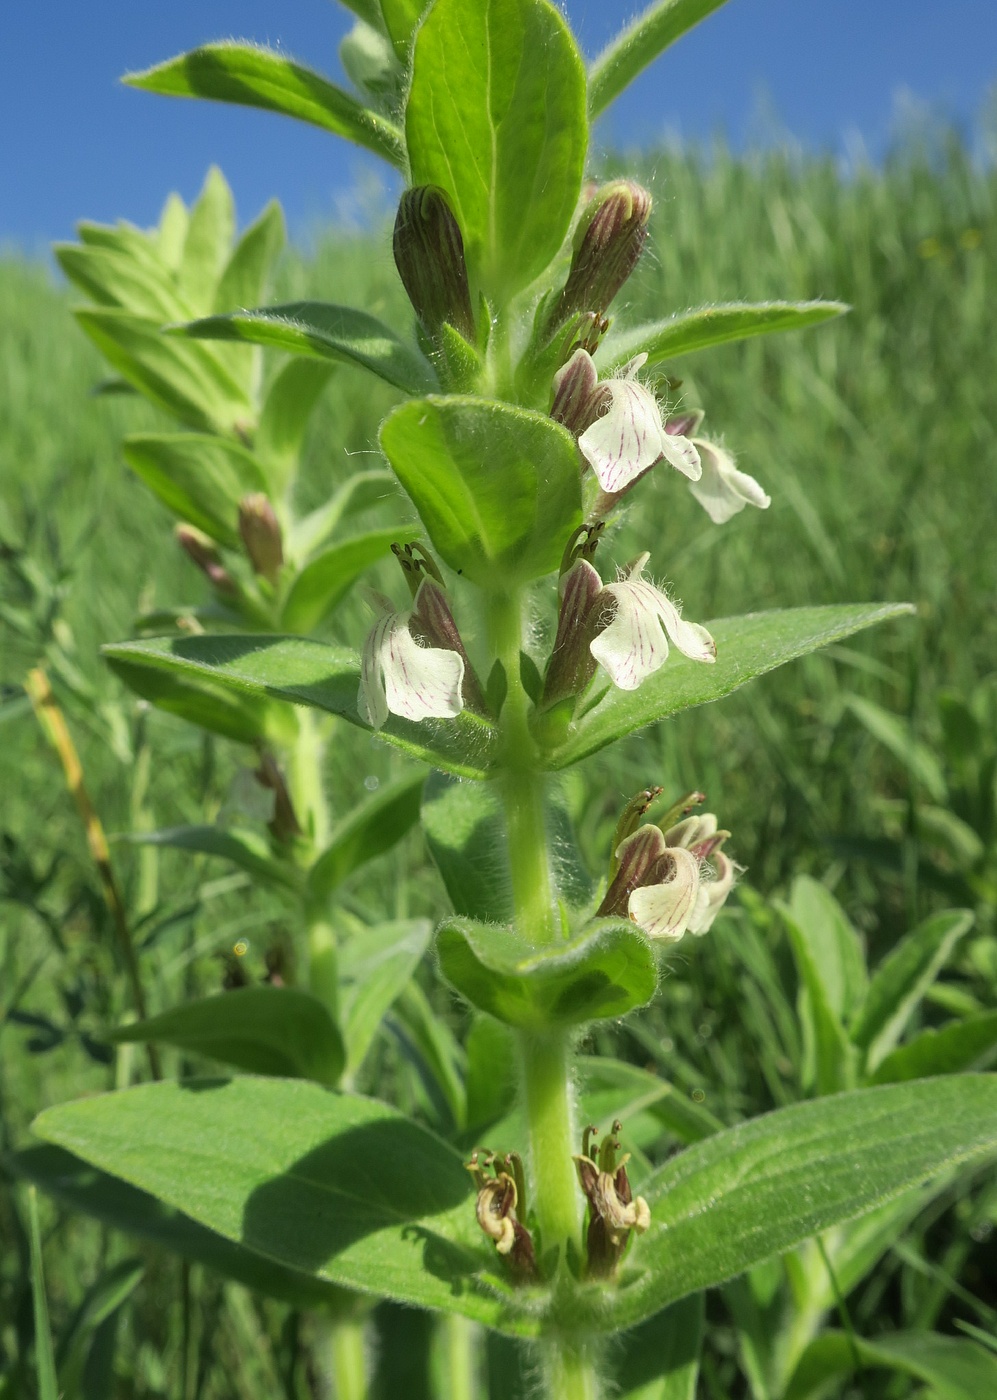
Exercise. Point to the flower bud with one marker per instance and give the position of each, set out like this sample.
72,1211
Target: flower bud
607,245
260,531
203,551
578,396
429,255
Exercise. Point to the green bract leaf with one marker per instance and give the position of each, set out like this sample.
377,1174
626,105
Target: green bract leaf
325,581
498,488
246,849
756,1190
959,1046
323,331
711,325
201,478
640,44
175,671
902,979
244,279
372,828
400,20
496,118
210,231
607,970
267,1030
188,381
284,417
342,1188
954,1368
256,77
375,966
81,1187
747,646
113,278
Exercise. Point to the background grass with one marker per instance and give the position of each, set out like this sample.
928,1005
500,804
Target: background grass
877,438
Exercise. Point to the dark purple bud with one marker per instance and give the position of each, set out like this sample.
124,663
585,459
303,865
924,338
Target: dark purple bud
434,623
429,255
572,664
261,535
638,861
578,396
607,245
203,551
684,424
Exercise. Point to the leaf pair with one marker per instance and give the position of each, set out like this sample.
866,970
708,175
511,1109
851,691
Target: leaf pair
347,1191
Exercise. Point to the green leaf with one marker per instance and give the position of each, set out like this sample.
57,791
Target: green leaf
324,582
370,829
755,1191
660,1358
199,477
246,849
498,488
116,279
187,381
496,118
956,1369
206,248
832,1052
605,971
432,1048
895,735
956,1047
640,44
324,332
243,281
375,966
198,699
605,1082
747,647
711,325
400,20
257,77
490,1083
82,1188
187,674
357,493
266,1030
901,980
292,395
48,1385
368,60
836,947
340,1187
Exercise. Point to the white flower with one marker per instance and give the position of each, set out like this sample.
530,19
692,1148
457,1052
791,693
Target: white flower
664,909
633,645
630,436
713,895
722,490
399,676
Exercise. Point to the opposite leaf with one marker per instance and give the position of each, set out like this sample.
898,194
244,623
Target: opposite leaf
711,325
498,488
756,1190
323,331
496,118
267,1030
185,674
256,77
747,646
605,971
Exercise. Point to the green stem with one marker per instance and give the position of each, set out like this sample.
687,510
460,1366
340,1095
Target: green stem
349,1367
458,1373
544,1056
304,780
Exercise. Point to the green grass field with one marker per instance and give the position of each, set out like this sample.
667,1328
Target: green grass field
876,436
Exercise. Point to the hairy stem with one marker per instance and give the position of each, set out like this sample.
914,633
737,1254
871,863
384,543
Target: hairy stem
346,1357
544,1056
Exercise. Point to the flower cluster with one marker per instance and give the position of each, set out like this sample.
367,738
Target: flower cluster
500,1197
670,879
614,1213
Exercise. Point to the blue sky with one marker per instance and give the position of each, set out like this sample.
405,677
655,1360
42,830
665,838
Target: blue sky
76,144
